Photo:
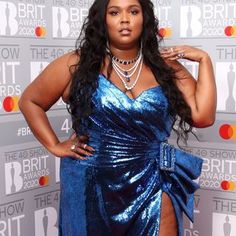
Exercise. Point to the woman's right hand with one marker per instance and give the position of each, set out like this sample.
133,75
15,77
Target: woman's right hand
74,147
184,52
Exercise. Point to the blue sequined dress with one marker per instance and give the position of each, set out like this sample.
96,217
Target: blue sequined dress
117,191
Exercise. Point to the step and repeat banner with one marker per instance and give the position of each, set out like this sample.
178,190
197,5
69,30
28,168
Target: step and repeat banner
35,32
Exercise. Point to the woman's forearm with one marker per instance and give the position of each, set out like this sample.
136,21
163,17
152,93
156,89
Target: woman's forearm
39,123
205,94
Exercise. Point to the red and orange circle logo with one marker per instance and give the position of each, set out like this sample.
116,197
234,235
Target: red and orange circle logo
40,31
44,180
10,103
230,31
165,32
228,185
227,131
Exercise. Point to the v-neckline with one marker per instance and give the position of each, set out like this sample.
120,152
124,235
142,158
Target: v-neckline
118,89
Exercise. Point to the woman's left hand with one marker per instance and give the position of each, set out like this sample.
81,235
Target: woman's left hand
183,52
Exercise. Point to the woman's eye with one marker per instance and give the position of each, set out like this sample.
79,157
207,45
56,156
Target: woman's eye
134,12
114,13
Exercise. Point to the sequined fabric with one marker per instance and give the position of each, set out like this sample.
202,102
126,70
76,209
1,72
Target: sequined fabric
117,192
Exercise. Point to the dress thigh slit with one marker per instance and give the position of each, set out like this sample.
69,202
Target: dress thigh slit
168,222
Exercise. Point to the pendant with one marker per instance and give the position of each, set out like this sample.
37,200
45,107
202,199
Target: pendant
127,76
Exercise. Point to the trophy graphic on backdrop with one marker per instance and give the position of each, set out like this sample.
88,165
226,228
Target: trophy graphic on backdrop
227,227
59,33
7,14
13,186
45,223
41,68
230,101
189,32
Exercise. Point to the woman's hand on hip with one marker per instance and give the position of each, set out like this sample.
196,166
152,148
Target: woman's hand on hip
74,147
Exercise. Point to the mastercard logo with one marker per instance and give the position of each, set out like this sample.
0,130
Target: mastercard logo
228,185
44,180
165,32
10,103
230,31
227,131
40,31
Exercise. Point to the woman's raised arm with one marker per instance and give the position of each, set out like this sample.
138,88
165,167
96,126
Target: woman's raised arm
200,94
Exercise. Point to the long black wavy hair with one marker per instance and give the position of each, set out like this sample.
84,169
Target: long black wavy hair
91,49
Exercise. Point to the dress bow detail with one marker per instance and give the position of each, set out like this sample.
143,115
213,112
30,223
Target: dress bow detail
179,169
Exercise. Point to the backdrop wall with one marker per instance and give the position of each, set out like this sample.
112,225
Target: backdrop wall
35,32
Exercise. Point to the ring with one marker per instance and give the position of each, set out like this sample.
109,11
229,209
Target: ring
73,147
84,146
180,55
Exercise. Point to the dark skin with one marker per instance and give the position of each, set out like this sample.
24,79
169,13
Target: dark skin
125,45
124,21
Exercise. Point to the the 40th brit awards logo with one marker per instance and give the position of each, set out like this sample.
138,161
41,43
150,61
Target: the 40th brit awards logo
223,217
19,19
26,169
218,169
163,11
12,218
206,20
223,225
67,22
225,68
45,213
226,86
8,23
46,221
10,86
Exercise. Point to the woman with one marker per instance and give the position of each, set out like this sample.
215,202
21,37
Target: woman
124,96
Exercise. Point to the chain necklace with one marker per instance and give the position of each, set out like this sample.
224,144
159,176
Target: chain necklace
125,72
130,69
136,79
126,62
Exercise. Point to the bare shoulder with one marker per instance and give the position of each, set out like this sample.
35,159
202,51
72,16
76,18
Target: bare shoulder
64,64
53,82
70,58
59,73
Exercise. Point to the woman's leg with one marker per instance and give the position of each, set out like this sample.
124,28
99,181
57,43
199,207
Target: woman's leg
168,225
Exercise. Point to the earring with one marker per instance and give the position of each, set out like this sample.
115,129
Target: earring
108,48
141,45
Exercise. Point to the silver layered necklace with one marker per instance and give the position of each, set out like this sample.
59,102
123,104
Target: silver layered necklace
126,74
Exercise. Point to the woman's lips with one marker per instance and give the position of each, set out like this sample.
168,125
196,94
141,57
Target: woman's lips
125,32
